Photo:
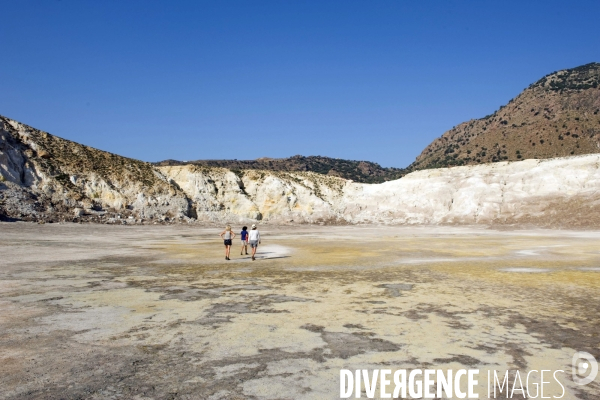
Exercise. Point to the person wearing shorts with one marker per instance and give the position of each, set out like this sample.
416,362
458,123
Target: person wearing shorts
227,235
254,240
244,235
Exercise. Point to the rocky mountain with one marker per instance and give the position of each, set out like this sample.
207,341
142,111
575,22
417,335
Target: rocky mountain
47,179
358,171
44,177
559,115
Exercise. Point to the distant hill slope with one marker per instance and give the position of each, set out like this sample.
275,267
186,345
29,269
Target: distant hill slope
559,115
358,171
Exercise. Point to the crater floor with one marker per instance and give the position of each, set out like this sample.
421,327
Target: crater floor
141,312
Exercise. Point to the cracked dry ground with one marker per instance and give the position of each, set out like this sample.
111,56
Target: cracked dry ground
155,312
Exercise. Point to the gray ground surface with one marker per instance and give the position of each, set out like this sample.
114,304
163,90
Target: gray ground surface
155,312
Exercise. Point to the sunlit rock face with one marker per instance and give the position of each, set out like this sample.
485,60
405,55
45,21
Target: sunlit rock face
219,194
507,192
545,191
44,177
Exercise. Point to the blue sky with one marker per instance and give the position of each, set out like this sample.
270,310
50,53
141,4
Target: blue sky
365,80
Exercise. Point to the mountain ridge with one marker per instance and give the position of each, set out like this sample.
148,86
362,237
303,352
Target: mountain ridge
355,170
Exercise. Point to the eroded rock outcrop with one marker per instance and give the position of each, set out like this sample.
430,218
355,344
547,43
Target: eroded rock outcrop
46,177
219,194
555,192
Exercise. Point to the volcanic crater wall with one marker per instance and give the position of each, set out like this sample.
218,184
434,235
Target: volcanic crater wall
46,178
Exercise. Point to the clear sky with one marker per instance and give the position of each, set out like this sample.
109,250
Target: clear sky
364,80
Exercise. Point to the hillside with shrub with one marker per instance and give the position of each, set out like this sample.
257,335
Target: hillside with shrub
559,115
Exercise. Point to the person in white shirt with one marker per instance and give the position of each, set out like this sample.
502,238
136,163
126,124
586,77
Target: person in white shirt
254,240
227,235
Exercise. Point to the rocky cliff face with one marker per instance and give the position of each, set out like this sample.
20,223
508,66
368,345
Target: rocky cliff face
219,194
47,178
555,192
558,192
557,116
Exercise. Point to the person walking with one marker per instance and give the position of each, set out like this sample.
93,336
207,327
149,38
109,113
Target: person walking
244,235
254,239
227,235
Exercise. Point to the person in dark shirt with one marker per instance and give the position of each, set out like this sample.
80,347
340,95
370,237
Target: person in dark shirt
244,235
